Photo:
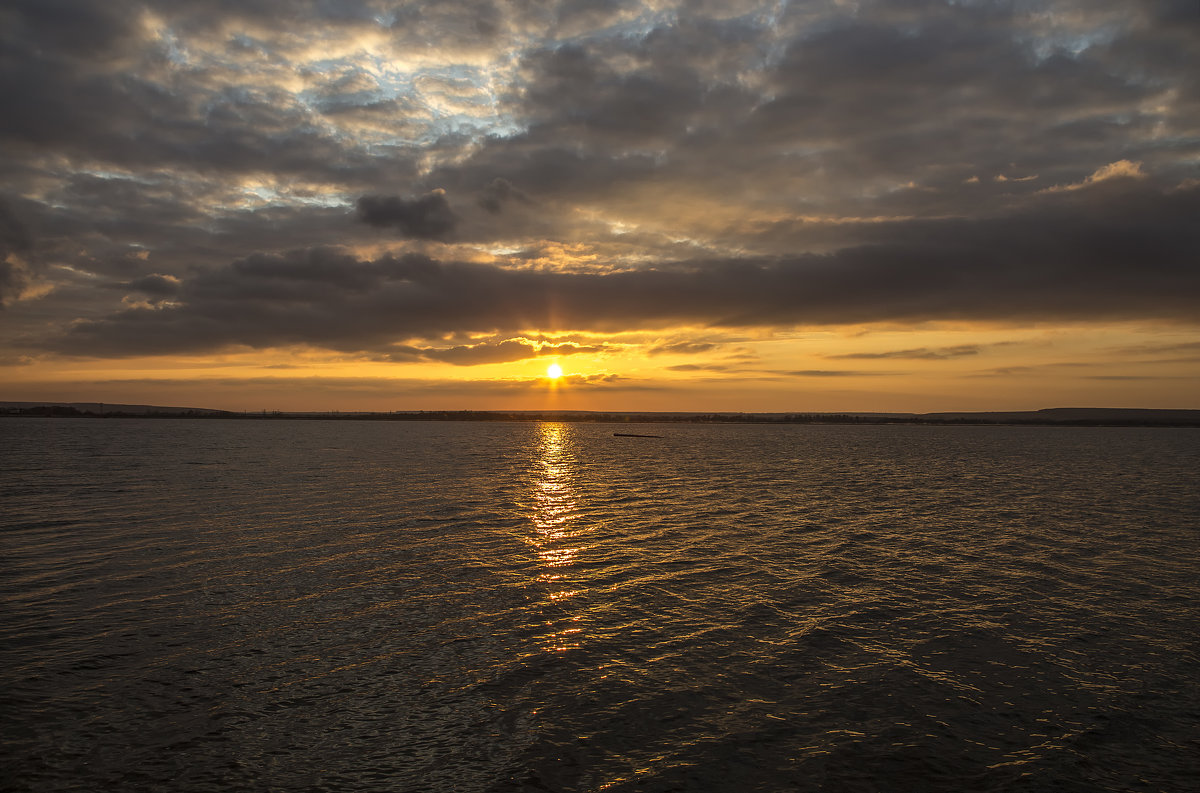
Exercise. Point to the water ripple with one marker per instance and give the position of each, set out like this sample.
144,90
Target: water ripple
213,605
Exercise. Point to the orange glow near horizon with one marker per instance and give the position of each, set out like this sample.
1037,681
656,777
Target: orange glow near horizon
858,369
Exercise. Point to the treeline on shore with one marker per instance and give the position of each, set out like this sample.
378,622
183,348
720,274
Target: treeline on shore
1032,419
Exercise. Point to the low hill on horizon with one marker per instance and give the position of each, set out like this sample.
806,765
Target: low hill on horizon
1071,415
111,407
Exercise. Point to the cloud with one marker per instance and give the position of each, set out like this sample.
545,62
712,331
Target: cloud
1182,352
919,353
14,234
502,352
482,353
1121,169
571,348
1119,377
498,193
628,166
683,348
698,367
832,373
156,285
14,281
1129,256
428,217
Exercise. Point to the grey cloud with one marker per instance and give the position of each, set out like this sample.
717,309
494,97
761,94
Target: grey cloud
1138,377
427,217
1129,256
919,353
498,193
935,92
1007,371
683,348
575,15
14,280
321,267
455,23
1160,349
155,285
698,367
83,29
85,79
14,238
570,348
14,234
775,119
831,373
607,114
483,353
1176,12
570,89
876,85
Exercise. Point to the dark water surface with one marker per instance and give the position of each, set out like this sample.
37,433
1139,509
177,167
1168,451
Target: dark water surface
362,606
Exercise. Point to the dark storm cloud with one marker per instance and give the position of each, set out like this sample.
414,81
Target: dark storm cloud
428,217
155,285
864,96
14,238
930,91
573,90
14,280
87,80
853,77
498,193
608,113
89,29
14,234
1091,254
685,85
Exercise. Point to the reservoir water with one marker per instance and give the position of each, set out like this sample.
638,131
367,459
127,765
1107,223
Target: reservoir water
214,605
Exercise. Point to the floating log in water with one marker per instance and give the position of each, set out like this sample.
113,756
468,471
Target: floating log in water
633,435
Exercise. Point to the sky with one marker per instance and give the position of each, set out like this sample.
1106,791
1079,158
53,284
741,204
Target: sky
719,205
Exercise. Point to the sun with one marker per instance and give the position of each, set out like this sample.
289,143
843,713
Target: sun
554,371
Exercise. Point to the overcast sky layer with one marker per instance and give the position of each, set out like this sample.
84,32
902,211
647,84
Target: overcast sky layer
711,205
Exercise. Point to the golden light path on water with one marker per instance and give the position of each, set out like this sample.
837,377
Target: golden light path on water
556,534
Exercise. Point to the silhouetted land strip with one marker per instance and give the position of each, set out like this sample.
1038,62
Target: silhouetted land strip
1061,417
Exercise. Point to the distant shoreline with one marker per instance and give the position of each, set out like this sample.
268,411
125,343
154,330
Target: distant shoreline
1056,417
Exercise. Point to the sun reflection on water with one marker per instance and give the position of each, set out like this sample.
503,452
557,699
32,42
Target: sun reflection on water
555,535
